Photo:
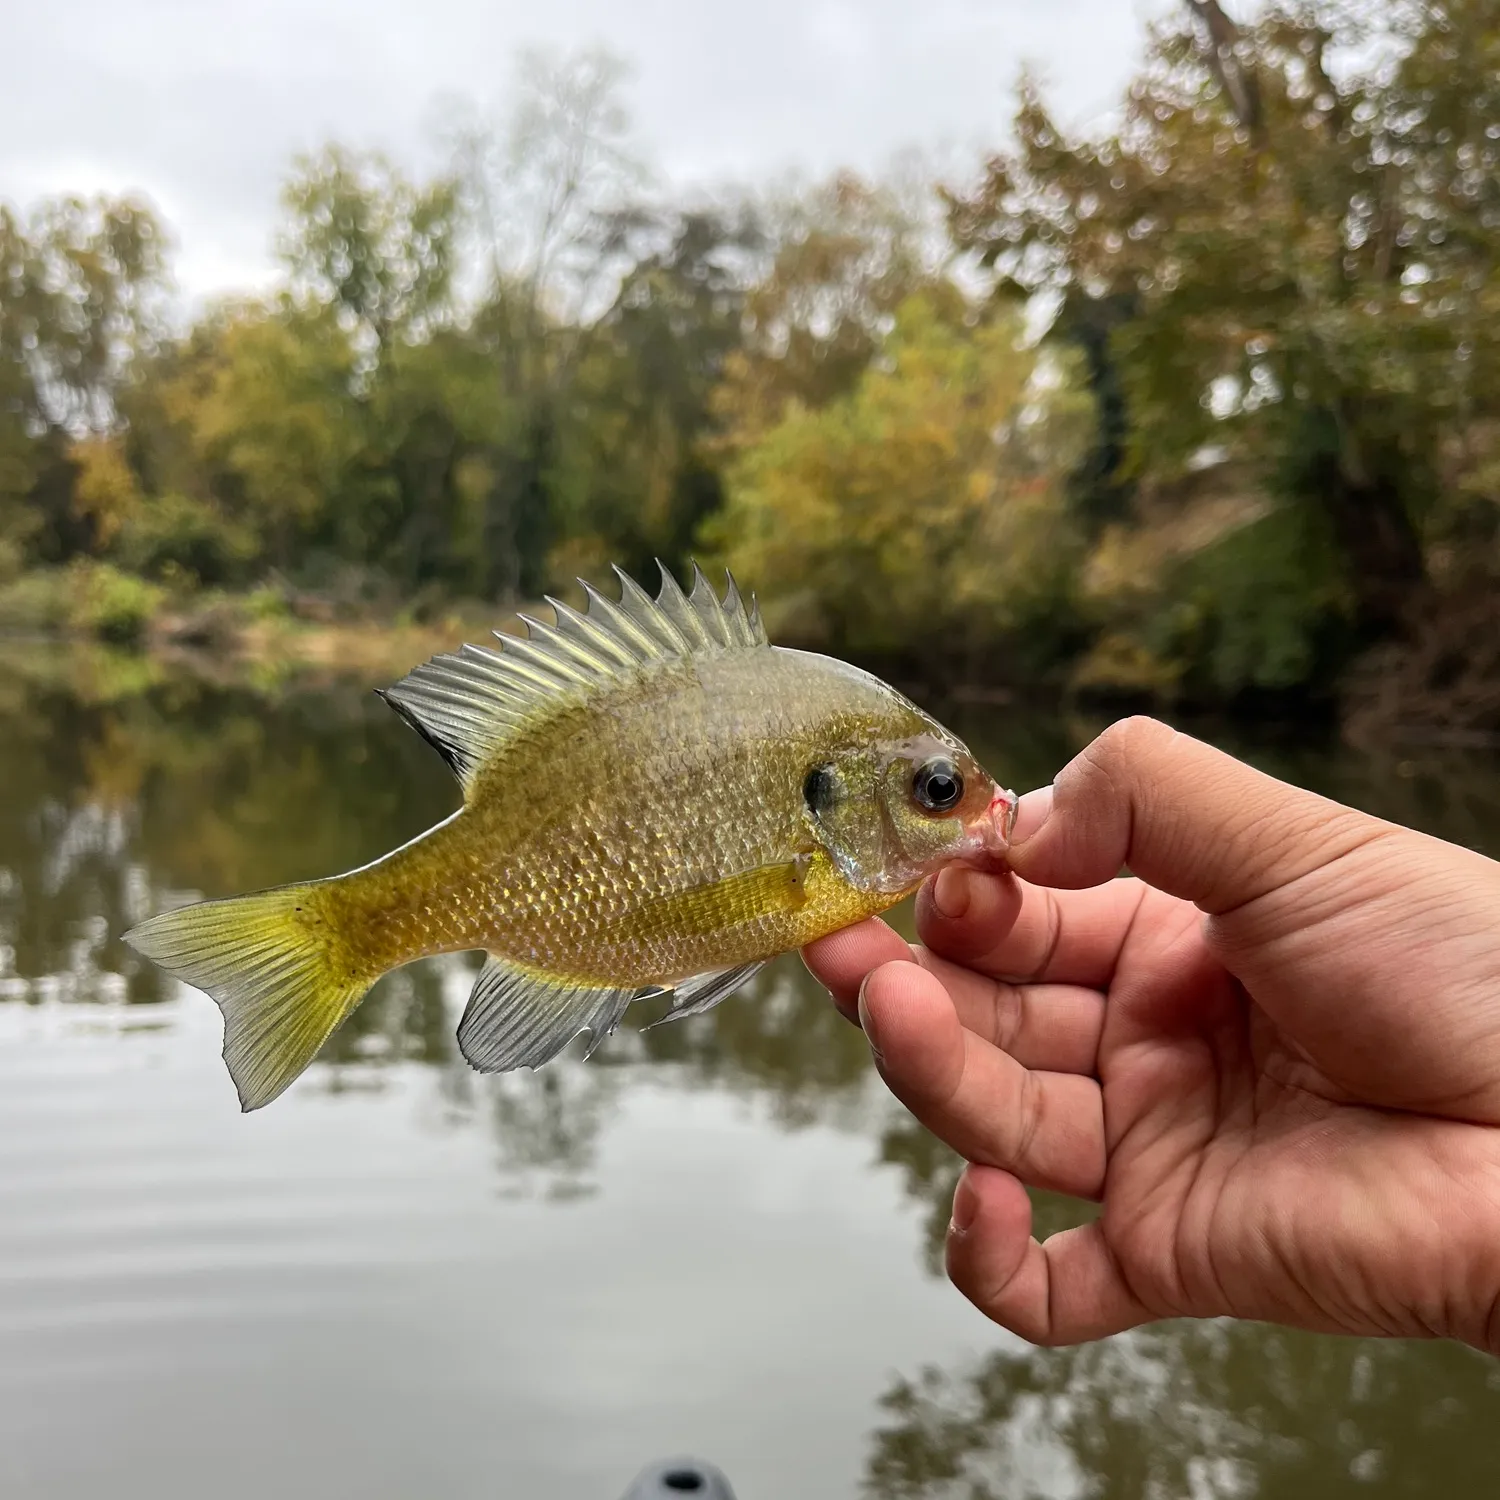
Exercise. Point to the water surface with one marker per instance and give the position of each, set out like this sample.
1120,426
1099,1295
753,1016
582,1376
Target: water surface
405,1280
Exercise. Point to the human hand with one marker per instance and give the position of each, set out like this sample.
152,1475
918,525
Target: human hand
1273,1054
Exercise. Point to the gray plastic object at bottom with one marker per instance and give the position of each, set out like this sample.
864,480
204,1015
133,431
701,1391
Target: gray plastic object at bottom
680,1479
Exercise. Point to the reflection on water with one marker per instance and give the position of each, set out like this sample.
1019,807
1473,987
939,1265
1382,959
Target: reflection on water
1195,1410
408,1279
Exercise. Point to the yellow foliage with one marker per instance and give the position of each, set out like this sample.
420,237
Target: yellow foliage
1118,663
918,513
272,416
106,490
263,421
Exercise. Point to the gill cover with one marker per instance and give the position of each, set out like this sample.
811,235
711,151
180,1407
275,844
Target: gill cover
866,809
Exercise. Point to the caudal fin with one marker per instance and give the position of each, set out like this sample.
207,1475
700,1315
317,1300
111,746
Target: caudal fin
269,961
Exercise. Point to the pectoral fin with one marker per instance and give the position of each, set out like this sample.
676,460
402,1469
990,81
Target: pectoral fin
719,904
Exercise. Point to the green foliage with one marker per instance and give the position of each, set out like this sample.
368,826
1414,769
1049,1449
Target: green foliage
113,606
266,603
178,540
416,495
367,242
1292,242
1262,609
38,600
843,257
80,286
637,479
86,598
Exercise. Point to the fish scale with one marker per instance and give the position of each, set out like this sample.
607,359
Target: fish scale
655,798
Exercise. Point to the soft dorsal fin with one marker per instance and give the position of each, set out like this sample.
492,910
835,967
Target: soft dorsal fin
468,703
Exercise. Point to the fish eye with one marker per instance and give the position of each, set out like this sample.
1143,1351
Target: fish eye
938,784
820,789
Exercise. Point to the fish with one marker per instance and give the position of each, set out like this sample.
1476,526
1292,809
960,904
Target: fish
656,800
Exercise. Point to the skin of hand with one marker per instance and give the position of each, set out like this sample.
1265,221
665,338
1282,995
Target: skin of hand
1273,1055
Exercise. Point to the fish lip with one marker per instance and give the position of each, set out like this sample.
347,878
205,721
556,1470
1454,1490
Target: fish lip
991,832
1004,804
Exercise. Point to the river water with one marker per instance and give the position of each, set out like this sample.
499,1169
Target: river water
404,1280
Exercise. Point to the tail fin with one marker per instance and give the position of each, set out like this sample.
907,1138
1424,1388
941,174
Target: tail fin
269,961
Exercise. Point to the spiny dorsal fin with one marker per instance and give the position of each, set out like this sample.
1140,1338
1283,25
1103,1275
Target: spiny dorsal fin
467,704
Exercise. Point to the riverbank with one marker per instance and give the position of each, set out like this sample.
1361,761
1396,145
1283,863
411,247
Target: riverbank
268,632
1438,684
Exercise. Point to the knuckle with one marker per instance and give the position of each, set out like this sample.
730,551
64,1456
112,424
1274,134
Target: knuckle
1110,763
1127,739
1028,1122
1008,1009
1053,936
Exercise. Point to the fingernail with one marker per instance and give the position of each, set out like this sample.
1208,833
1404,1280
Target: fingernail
1032,811
952,892
965,1206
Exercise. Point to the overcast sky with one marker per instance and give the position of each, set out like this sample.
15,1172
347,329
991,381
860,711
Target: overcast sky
201,105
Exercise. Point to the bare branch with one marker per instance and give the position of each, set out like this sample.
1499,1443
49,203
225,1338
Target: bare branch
1222,37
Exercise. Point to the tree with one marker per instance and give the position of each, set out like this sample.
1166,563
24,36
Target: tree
544,192
641,479
840,259
81,281
416,500
252,417
369,243
1295,251
539,184
918,518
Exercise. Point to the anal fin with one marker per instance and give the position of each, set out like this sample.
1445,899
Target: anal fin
704,991
521,1018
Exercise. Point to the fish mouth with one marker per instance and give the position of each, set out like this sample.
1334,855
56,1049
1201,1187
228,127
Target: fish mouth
989,834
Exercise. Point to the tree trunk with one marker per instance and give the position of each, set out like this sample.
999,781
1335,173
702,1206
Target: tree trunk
1336,459
1376,535
1373,529
1221,38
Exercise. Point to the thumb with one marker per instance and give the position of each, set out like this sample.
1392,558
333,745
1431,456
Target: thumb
1182,816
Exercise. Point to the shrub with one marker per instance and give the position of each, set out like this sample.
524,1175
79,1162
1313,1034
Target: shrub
175,538
112,605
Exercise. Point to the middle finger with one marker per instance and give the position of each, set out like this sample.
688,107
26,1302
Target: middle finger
1055,1027
1047,1128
